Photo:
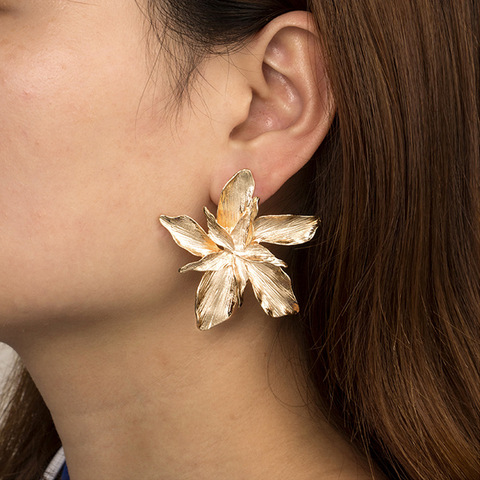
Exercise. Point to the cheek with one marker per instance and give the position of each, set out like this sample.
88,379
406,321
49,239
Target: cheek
69,116
57,99
72,199
87,164
86,168
51,120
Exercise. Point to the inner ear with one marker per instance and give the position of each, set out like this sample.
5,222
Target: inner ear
281,91
278,108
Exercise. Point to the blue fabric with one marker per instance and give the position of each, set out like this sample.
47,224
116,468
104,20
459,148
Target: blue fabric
65,475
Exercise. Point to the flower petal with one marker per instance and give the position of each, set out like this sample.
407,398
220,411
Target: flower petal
189,235
242,234
254,208
212,262
285,229
273,289
257,253
236,196
241,277
216,298
217,233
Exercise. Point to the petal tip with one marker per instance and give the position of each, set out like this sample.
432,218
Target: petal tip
293,309
243,178
244,172
203,326
209,215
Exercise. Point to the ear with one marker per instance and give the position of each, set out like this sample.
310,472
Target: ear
287,108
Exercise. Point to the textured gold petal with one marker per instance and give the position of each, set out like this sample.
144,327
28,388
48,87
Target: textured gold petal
285,229
257,253
273,289
217,233
241,277
216,298
189,235
214,261
236,196
242,234
254,209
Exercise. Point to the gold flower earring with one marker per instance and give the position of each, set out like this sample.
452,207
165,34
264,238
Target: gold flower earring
231,253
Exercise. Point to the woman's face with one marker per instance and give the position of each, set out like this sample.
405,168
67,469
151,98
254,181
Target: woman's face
88,161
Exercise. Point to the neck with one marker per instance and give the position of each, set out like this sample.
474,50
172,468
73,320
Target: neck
150,397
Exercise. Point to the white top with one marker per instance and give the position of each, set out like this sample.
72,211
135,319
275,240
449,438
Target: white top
55,466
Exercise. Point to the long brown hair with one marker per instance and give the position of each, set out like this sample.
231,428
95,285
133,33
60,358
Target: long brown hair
392,283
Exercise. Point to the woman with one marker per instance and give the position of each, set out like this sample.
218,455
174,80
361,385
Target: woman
364,114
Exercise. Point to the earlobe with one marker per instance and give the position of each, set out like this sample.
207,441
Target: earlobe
290,110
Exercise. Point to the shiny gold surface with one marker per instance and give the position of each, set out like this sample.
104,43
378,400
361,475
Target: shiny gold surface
231,253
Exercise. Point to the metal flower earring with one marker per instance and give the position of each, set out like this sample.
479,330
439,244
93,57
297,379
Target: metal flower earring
231,253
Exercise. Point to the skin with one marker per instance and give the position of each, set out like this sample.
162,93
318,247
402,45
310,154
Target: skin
90,296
